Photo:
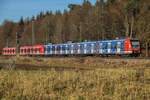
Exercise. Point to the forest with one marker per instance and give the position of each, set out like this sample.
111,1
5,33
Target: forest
104,20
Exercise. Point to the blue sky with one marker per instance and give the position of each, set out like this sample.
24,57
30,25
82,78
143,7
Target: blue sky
14,9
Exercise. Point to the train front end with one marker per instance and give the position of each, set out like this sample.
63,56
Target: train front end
132,46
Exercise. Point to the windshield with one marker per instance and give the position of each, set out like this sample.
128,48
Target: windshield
135,44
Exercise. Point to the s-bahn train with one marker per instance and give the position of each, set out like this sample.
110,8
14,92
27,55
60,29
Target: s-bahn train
127,46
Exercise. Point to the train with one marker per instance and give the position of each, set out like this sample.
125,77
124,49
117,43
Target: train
125,46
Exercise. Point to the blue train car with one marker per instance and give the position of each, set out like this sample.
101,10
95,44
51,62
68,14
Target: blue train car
107,47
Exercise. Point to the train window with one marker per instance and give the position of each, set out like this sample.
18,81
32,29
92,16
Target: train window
100,45
79,47
53,48
67,48
122,45
72,47
39,49
109,45
89,47
135,44
92,46
62,48
58,48
36,49
25,50
32,49
118,45
104,46
113,46
28,50
82,47
85,46
48,48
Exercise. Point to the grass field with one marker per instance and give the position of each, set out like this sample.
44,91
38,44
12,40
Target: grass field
115,82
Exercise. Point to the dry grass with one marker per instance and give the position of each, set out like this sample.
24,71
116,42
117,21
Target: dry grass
111,84
110,81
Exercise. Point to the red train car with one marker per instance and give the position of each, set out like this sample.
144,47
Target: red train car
9,51
26,50
38,49
32,50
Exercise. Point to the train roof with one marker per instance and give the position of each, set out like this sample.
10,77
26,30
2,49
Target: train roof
9,48
87,42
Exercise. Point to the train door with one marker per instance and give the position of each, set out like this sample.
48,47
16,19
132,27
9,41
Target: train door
104,47
46,49
85,48
109,48
72,49
51,50
78,49
58,49
23,51
75,48
118,47
100,47
30,49
92,48
82,48
63,49
66,49
55,50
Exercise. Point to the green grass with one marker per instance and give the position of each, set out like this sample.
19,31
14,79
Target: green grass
102,84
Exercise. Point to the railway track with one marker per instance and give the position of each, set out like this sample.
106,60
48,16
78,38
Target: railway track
78,57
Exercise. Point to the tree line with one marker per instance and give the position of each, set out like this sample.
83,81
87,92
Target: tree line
86,22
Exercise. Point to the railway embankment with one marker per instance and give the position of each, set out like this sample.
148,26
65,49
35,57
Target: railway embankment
72,63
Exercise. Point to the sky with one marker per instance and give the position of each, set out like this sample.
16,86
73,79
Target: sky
13,9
